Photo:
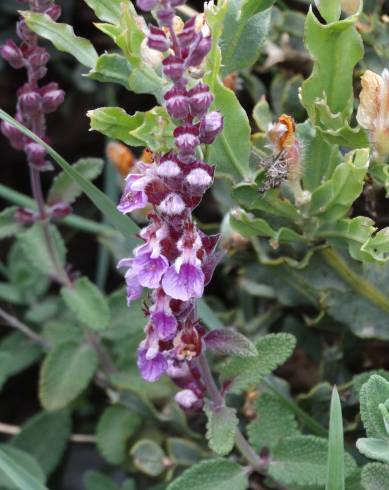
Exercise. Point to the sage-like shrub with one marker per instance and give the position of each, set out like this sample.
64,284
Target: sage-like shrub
242,240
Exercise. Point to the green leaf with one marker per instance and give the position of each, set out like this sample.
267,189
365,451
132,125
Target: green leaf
374,448
65,373
183,452
336,48
333,199
8,224
273,350
45,437
208,316
229,341
231,150
5,361
116,425
330,10
214,474
62,36
262,114
66,189
126,320
156,130
148,457
22,352
273,422
121,222
245,28
33,245
87,303
375,476
301,460
18,470
111,68
335,460
95,480
107,10
372,393
221,429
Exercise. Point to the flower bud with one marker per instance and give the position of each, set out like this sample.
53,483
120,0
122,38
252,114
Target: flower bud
25,216
200,98
199,179
146,5
60,210
36,155
177,103
187,399
168,168
157,39
15,137
30,101
24,32
38,57
52,97
172,205
165,15
173,67
11,53
54,11
186,139
188,33
201,50
210,126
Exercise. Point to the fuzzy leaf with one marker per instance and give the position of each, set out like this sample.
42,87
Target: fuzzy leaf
374,448
374,392
65,373
126,320
115,123
111,68
33,245
65,189
262,114
229,341
301,460
22,352
335,460
62,36
116,425
221,429
19,470
45,437
273,422
273,350
8,224
183,452
148,457
87,303
375,476
214,474
107,10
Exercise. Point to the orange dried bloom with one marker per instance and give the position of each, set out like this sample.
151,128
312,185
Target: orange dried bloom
282,134
121,157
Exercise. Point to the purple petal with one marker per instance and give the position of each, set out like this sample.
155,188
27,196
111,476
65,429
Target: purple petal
149,270
151,369
166,325
132,199
134,289
186,398
186,284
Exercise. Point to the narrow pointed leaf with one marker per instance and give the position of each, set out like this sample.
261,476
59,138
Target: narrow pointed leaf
335,461
16,472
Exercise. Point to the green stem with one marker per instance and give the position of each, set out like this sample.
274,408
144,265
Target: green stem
360,285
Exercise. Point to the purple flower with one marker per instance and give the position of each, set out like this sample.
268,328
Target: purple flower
146,5
177,102
199,179
184,283
211,126
187,139
172,205
151,368
36,155
198,54
157,39
200,98
186,398
168,168
188,33
173,67
52,97
150,270
11,53
134,196
166,325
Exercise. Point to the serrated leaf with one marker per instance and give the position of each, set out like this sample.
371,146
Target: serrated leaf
61,332
95,480
372,393
8,224
88,303
45,437
221,429
229,341
19,470
33,245
148,457
62,36
65,189
116,425
301,460
65,373
335,459
107,10
273,422
374,448
22,352
214,474
375,476
111,68
245,28
273,350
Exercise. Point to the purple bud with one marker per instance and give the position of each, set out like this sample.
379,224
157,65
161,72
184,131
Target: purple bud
25,216
188,33
25,33
173,67
200,51
146,5
199,178
186,139
177,103
36,155
157,39
54,11
166,15
11,53
38,57
176,3
200,98
187,399
60,210
210,126
52,97
15,137
30,101
168,168
172,205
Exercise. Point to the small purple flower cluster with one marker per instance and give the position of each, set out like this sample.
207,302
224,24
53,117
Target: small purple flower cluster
176,260
34,101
